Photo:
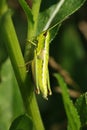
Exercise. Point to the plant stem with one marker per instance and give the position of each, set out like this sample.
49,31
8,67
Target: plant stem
25,85
35,12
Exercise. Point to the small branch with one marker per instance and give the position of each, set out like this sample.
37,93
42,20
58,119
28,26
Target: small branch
83,28
63,73
72,93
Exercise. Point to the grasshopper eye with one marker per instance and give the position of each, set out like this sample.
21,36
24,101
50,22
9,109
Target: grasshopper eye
45,34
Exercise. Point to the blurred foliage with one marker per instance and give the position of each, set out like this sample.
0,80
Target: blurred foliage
11,104
69,49
21,123
81,103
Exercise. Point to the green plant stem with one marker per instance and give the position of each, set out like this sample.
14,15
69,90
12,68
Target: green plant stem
25,86
3,6
35,12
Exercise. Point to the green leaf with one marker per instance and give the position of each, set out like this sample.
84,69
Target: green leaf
57,13
81,105
53,32
22,122
11,104
5,96
72,115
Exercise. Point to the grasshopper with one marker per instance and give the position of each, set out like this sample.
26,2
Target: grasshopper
40,64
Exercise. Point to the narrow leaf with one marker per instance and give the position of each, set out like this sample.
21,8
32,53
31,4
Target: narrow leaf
54,13
72,115
57,13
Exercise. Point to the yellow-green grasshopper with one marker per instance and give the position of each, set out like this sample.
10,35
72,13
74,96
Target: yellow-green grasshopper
40,63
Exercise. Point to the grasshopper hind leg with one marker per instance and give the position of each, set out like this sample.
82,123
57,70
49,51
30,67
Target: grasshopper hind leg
49,88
